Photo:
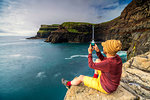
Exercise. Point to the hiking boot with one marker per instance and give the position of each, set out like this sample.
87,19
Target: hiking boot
65,83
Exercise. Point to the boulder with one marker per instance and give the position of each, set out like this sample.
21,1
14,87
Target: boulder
136,75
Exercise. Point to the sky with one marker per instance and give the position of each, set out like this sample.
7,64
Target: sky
24,17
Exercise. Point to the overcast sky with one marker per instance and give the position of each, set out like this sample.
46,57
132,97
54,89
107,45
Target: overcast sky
24,17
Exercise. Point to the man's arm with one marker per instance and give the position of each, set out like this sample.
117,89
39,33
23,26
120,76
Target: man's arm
103,65
100,56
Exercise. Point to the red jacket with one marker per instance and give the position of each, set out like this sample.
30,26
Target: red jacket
111,69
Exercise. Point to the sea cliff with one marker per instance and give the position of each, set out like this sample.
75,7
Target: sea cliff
132,27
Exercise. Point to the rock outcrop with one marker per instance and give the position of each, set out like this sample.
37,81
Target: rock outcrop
132,27
85,93
46,30
134,85
76,32
136,75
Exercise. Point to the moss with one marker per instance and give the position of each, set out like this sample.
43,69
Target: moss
55,25
73,30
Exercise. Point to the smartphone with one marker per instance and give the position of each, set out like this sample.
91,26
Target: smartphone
93,43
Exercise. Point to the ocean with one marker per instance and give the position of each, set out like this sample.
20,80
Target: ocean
32,69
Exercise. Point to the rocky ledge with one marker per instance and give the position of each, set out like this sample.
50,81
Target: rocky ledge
134,85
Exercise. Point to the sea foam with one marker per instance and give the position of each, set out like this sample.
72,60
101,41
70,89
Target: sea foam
74,56
120,53
41,75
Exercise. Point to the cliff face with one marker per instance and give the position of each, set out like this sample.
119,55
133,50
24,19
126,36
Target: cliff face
71,32
134,85
132,27
45,30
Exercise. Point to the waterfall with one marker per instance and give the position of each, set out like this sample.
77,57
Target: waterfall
93,42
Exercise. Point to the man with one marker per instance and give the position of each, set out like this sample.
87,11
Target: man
107,72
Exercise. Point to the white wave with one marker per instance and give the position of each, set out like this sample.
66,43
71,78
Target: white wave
15,55
57,74
74,56
122,53
41,75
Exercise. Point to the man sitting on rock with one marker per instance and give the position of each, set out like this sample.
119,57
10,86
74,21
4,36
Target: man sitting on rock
107,71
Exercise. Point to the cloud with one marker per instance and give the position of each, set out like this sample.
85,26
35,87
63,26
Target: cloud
24,17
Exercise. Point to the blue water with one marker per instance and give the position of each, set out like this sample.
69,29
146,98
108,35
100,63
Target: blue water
32,69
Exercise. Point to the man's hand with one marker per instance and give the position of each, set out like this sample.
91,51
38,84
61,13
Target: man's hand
96,48
90,49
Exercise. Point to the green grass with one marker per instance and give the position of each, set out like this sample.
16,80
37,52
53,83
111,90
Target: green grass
71,25
73,31
55,25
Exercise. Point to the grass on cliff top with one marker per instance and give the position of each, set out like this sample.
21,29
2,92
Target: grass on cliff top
72,24
55,25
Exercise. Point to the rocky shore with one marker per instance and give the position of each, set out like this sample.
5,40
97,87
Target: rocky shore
134,85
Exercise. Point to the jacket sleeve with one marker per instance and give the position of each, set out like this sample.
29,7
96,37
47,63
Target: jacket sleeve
103,65
99,55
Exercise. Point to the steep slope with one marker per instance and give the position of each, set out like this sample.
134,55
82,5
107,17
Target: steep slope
132,27
71,32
